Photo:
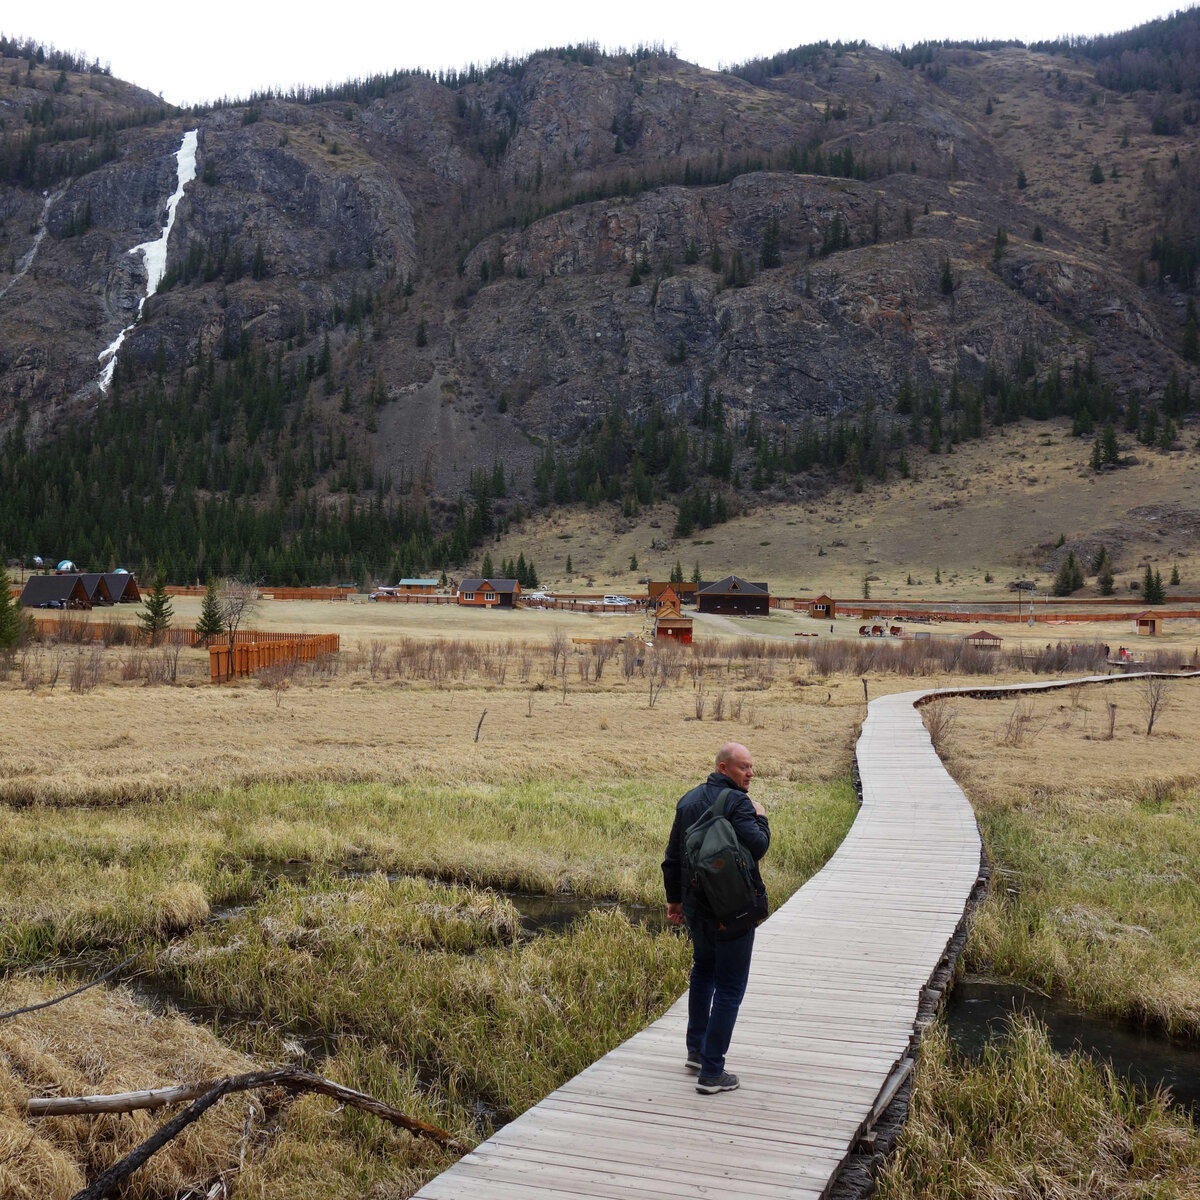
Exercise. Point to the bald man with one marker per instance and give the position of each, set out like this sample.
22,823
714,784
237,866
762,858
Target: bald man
720,950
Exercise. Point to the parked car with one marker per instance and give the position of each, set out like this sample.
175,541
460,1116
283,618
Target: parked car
617,600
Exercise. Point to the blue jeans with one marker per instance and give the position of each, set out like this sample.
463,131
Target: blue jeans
719,974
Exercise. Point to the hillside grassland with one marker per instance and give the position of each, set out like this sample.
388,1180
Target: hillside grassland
996,506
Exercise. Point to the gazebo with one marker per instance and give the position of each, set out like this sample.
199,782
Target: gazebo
982,640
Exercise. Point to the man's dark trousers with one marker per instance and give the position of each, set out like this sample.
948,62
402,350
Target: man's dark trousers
718,983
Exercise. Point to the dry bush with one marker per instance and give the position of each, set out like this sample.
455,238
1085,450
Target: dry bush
719,707
72,626
700,701
133,665
1022,723
87,669
376,651
1156,699
939,717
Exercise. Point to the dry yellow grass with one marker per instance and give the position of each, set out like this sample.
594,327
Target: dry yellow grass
130,742
105,1041
1064,746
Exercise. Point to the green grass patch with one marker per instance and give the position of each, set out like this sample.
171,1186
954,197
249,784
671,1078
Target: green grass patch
1026,1122
1098,899
79,880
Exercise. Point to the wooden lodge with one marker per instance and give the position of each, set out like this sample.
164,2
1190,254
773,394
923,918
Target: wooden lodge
982,640
488,593
734,596
414,587
94,583
685,592
1147,624
55,591
822,607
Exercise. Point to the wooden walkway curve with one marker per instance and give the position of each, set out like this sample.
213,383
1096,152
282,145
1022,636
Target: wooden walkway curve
825,1031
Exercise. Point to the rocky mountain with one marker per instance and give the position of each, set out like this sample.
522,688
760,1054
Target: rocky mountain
450,273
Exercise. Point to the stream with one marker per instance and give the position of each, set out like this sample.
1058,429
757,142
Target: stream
977,1009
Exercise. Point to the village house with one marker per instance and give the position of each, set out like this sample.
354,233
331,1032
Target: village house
488,593
734,596
55,591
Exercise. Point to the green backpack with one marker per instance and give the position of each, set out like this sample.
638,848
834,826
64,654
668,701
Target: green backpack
719,863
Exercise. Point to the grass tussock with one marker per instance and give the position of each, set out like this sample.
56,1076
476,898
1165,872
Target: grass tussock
1026,1123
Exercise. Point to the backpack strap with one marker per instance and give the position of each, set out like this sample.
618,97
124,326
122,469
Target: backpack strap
717,807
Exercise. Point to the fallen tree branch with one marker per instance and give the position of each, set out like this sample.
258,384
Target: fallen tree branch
16,1012
108,1179
293,1081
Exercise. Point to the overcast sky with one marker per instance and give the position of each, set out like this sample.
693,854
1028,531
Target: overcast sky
195,52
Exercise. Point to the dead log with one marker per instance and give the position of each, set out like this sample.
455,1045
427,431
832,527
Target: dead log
207,1093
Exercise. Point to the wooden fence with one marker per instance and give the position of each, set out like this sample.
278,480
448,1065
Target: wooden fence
77,627
414,598
247,658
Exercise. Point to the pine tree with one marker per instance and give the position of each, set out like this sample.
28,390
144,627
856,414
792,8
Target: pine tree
10,613
1097,175
156,619
1175,575
947,278
696,573
770,253
633,562
1153,591
1105,581
677,572
568,564
487,570
210,624
1070,576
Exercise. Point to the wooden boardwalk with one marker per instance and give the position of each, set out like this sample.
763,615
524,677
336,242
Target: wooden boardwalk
823,1035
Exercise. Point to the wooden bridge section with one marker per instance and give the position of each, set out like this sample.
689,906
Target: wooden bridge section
824,1033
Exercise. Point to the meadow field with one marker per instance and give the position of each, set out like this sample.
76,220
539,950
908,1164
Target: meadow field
327,868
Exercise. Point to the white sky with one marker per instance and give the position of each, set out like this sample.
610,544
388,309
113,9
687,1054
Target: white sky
191,53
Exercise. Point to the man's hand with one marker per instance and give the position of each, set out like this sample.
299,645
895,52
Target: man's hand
675,914
758,808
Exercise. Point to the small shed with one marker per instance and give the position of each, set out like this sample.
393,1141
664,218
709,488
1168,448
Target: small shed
122,587
822,607
95,583
734,596
1147,624
675,628
55,591
982,640
488,593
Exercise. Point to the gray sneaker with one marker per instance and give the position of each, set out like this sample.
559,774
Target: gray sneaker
725,1082
693,1061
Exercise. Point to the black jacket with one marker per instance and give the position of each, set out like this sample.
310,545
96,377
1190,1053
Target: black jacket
753,832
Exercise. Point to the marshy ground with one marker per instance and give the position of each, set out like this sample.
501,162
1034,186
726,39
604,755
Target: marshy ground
316,872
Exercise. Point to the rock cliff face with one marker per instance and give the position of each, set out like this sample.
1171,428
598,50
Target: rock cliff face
507,259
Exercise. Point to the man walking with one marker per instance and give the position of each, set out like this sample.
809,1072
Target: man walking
720,950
